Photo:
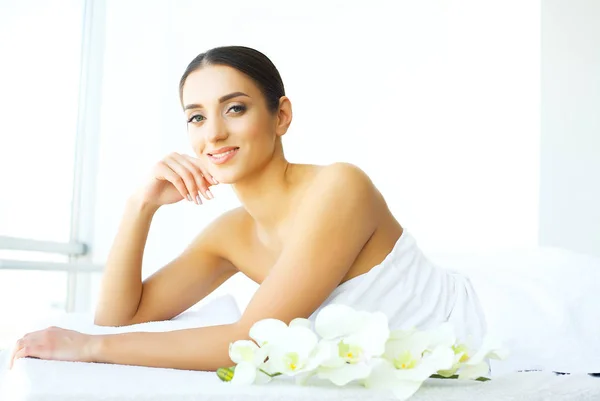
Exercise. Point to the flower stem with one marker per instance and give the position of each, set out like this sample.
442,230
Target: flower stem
479,379
271,375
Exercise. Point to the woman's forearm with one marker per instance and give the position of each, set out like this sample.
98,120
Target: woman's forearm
121,287
205,348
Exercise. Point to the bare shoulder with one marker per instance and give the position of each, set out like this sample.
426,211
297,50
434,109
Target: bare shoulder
344,179
345,171
333,220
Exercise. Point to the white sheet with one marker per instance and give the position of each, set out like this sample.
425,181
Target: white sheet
39,380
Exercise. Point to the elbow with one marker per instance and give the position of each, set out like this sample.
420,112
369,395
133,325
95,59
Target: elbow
110,321
104,322
240,330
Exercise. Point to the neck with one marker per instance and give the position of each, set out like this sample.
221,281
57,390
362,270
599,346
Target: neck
265,194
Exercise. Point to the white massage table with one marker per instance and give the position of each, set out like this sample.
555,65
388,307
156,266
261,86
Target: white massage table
39,380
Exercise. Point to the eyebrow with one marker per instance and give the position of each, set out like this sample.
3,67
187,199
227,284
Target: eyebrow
221,100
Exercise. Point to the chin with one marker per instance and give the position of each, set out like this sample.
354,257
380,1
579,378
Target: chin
235,172
226,177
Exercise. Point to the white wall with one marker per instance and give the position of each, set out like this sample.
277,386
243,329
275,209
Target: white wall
438,102
570,125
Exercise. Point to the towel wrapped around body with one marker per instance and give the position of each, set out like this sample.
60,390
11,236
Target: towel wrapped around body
414,292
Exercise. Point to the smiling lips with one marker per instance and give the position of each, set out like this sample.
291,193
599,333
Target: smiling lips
223,155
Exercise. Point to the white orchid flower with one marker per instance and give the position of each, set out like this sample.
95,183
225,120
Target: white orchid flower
405,374
249,359
292,350
263,330
475,366
462,354
411,357
353,338
270,335
406,348
297,351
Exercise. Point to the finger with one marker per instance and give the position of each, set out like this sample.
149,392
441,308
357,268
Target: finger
164,171
186,175
201,184
209,178
16,348
201,180
21,353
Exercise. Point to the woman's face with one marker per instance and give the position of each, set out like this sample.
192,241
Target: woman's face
230,128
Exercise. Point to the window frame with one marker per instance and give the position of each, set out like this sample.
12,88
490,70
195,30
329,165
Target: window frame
80,247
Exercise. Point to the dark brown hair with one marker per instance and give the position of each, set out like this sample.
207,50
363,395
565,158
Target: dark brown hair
251,62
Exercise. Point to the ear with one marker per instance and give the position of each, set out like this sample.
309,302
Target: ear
284,116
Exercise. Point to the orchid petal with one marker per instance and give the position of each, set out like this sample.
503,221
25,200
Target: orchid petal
334,360
402,334
296,339
449,372
337,320
260,355
440,358
384,376
302,378
491,348
266,329
416,344
291,354
262,378
443,335
373,336
321,354
301,322
474,371
244,374
269,367
345,374
242,351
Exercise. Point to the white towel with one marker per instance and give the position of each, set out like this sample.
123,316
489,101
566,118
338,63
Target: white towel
40,380
414,292
67,381
27,371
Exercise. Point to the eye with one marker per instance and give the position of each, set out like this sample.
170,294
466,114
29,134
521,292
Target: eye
196,118
237,109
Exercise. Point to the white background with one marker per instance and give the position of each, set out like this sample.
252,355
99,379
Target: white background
570,142
438,102
466,127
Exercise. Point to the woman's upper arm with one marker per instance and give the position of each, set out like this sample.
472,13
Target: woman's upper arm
332,225
190,277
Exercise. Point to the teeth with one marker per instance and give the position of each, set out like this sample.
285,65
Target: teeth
221,155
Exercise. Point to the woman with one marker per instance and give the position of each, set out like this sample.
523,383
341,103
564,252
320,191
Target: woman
310,235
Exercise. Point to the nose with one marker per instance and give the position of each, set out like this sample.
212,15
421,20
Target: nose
215,130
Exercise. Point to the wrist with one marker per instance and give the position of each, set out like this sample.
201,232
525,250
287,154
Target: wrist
96,348
138,204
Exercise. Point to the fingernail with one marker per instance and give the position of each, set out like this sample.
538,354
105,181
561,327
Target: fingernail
198,199
210,195
214,180
189,197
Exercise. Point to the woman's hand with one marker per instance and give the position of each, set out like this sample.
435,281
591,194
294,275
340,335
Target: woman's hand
177,177
55,343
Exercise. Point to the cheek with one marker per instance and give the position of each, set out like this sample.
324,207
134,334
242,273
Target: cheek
195,139
252,128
